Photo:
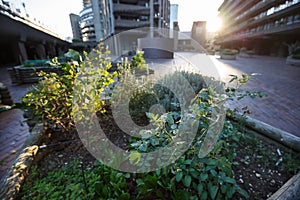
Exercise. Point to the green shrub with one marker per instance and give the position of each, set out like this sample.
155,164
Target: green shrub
229,51
138,61
293,48
37,63
166,97
51,100
296,56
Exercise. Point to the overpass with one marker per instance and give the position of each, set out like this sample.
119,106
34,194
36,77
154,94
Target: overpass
22,39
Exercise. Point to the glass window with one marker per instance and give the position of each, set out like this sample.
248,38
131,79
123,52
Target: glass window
296,18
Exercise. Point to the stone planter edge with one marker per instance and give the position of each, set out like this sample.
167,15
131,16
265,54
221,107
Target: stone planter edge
292,61
278,135
228,57
14,177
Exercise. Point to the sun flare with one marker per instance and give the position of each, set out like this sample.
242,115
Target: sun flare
214,24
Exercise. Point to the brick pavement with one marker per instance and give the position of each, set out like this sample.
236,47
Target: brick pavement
13,130
281,82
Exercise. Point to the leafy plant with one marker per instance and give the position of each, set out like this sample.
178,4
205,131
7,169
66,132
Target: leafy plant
71,182
293,48
235,92
229,51
210,177
138,61
296,56
51,100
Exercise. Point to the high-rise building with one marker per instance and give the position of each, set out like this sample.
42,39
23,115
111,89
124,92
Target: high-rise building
261,25
87,22
100,19
173,15
75,19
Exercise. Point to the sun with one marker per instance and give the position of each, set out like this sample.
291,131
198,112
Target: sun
214,24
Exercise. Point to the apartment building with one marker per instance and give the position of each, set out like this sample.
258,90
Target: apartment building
262,25
100,19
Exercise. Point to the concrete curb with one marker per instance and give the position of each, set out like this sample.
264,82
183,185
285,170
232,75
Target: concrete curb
278,135
289,191
14,177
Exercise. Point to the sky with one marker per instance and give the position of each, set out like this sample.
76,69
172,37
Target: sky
55,13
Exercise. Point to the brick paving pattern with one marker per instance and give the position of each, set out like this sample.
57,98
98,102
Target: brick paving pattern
13,130
281,82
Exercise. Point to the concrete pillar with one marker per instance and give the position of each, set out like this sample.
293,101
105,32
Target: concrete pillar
175,35
23,56
41,52
151,18
23,52
97,20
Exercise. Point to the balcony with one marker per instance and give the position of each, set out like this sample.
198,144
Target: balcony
279,30
258,8
128,24
131,9
129,1
252,22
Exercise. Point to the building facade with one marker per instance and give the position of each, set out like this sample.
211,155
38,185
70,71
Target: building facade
86,22
261,25
100,19
173,15
75,19
199,32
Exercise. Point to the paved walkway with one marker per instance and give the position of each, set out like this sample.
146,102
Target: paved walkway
281,82
13,130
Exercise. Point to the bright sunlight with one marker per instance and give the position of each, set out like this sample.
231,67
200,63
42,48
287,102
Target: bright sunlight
214,24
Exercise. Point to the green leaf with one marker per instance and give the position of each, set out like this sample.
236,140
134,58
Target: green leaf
243,192
200,188
134,157
203,177
213,172
179,176
187,162
229,180
204,195
182,194
234,77
97,186
154,141
223,189
213,191
187,180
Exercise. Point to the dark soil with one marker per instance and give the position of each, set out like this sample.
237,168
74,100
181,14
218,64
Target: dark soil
255,170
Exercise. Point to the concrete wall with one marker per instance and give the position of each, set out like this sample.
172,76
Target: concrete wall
157,47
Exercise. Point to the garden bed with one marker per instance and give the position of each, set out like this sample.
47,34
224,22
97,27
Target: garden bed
257,165
219,161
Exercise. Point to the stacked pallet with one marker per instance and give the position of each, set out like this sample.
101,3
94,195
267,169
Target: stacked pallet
5,96
22,74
